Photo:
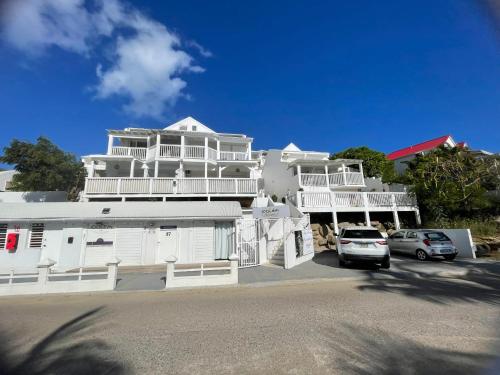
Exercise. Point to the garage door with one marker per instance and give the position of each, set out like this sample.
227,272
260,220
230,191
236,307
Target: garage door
203,244
128,247
99,246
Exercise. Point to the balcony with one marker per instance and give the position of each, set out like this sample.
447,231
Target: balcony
232,156
140,153
331,180
165,186
353,201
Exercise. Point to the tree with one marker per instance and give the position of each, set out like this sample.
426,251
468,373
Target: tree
448,183
43,166
375,163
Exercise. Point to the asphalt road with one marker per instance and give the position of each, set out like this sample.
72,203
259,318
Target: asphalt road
403,325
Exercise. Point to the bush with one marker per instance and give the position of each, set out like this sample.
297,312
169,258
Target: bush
478,227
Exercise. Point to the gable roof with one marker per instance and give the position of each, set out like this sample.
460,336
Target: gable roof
292,147
420,147
188,123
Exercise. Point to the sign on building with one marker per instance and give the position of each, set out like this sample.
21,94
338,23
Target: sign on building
271,212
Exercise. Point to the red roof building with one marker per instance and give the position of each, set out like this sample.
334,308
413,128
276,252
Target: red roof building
422,147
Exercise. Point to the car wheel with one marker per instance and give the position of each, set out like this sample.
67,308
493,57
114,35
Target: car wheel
422,255
449,257
386,264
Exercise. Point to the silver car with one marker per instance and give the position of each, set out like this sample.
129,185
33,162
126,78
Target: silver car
425,244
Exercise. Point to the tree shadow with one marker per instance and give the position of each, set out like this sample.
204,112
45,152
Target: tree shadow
373,351
476,283
330,258
62,352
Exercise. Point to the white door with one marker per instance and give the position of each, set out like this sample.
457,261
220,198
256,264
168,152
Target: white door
71,246
129,245
99,246
203,241
248,242
167,243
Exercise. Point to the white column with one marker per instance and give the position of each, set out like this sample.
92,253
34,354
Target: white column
417,217
344,174
206,170
90,169
362,175
335,222
132,167
249,151
367,218
367,212
157,165
299,174
169,277
220,172
396,219
158,140
110,143
112,272
327,177
182,146
206,149
218,150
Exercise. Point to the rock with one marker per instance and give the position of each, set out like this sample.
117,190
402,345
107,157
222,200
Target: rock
332,226
345,224
360,224
390,231
315,227
374,223
322,242
323,230
330,239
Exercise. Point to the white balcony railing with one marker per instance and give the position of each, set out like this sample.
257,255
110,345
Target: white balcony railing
137,152
170,151
334,179
311,200
152,186
232,156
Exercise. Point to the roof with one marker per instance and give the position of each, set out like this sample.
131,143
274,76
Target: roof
420,147
324,161
292,147
188,123
118,210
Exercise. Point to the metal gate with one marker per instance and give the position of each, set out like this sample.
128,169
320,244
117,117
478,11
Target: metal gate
248,242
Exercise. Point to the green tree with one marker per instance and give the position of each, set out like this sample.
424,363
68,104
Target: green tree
43,166
375,163
448,183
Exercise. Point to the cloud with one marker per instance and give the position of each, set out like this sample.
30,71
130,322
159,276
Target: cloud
140,58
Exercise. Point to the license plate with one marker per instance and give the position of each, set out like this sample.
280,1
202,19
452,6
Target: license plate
363,245
446,250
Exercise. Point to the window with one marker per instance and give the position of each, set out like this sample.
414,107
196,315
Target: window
437,236
362,233
411,235
193,128
3,235
398,235
36,235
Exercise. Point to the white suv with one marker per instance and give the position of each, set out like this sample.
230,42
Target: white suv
362,244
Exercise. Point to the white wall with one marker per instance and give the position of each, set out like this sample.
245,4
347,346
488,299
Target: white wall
33,196
278,179
462,240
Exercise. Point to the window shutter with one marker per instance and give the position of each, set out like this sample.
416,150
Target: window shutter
3,235
36,236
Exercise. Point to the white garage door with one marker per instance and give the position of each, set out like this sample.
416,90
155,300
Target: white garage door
129,244
203,244
99,247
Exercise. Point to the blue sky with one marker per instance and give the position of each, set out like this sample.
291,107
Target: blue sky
325,75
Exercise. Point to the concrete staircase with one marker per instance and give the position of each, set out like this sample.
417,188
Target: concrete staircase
278,257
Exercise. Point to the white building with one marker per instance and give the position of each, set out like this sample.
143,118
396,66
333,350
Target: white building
317,185
138,233
186,160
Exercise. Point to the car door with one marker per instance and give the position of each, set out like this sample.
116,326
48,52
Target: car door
394,241
409,243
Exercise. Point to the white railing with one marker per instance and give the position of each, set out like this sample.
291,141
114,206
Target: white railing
313,179
193,275
334,179
45,281
160,185
390,201
231,156
194,152
137,152
170,151
212,154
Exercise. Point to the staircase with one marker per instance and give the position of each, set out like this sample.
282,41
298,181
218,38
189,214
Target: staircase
278,257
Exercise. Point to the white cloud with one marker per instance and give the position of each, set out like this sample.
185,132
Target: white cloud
145,60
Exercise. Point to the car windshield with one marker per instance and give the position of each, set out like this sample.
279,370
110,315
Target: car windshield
362,233
436,236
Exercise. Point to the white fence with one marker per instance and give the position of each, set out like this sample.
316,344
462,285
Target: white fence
137,152
160,185
308,200
333,179
45,281
193,275
231,156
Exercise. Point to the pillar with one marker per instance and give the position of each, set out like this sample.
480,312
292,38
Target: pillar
362,173
344,174
218,150
206,150
183,141
249,151
157,165
110,144
367,218
299,174
112,272
417,217
206,170
396,219
158,140
132,167
327,177
169,277
335,222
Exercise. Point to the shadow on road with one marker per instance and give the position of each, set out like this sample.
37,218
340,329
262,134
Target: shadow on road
477,283
62,352
372,351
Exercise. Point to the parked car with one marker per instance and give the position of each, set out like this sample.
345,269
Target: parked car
362,244
424,244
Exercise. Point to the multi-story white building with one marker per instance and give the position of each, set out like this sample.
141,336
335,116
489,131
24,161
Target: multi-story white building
317,185
189,161
186,161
